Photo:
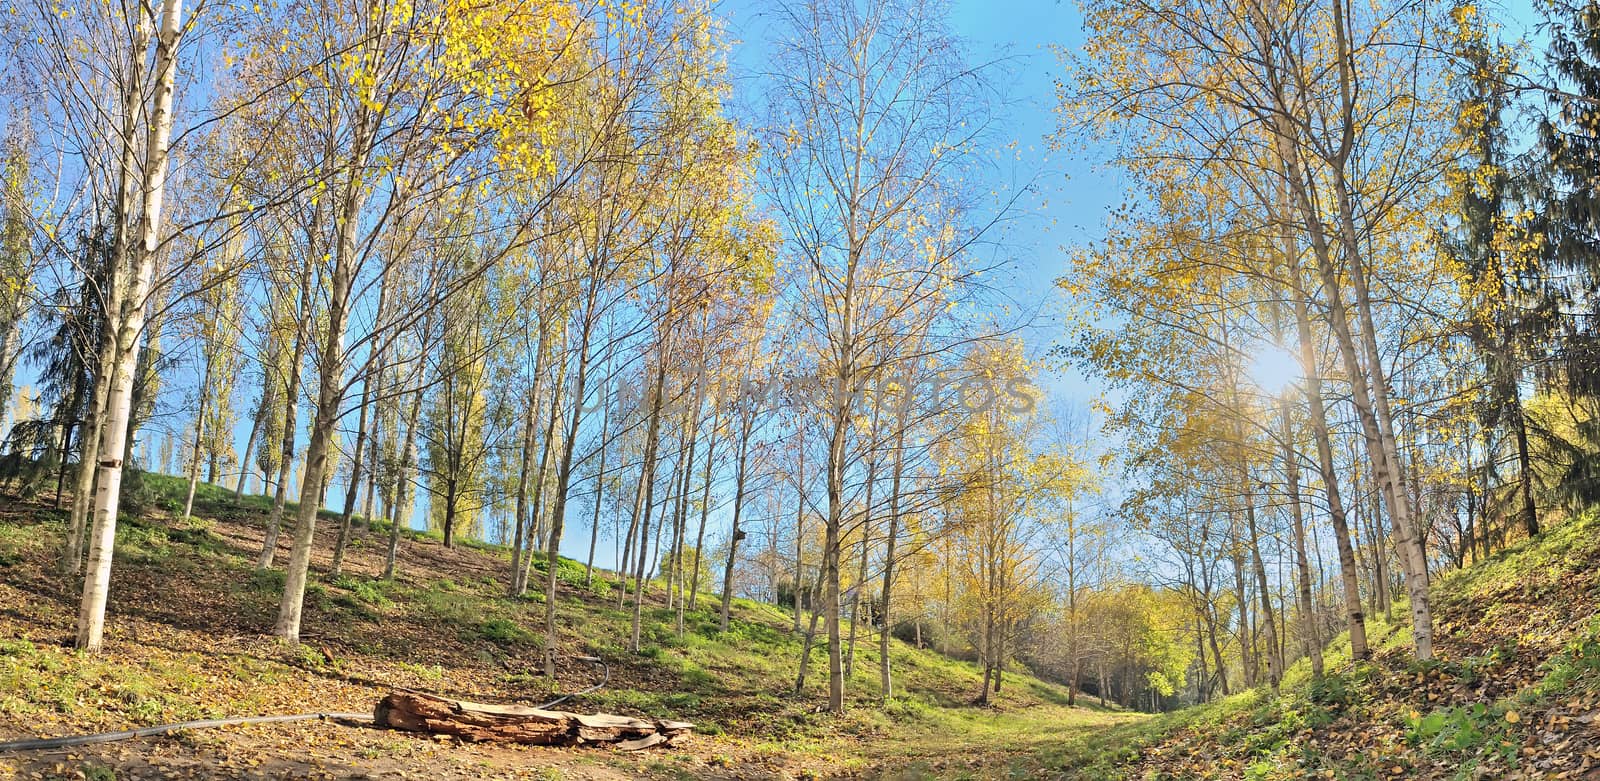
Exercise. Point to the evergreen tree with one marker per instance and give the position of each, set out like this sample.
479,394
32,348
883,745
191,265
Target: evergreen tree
1502,292
1564,226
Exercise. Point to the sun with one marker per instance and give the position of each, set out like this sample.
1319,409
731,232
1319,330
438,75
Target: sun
1274,369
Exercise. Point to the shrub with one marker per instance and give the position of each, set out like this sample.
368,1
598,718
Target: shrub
505,632
265,580
1453,729
367,591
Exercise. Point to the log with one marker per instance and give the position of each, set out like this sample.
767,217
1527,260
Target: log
415,711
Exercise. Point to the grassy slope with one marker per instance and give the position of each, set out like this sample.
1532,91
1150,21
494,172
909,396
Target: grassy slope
188,612
1515,692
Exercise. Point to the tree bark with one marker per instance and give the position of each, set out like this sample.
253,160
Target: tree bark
558,511
1348,569
799,534
885,613
330,390
130,183
249,450
705,512
599,491
736,534
291,407
519,551
352,495
122,361
647,484
403,501
1308,611
536,502
199,444
525,467
418,712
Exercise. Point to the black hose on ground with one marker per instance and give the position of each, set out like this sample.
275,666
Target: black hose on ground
68,741
42,744
605,678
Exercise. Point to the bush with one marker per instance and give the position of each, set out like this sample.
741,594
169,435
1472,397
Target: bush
1331,691
366,591
265,580
1337,691
137,542
505,632
1452,729
141,492
572,574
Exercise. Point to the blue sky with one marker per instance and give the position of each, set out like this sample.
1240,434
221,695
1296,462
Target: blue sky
1071,196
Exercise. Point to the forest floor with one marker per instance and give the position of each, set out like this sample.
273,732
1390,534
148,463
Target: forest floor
187,640
1514,692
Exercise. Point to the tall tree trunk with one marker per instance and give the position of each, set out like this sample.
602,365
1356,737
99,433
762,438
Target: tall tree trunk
705,512
536,502
291,407
374,375
249,450
809,640
799,535
736,534
1519,424
402,500
855,599
524,473
832,537
691,423
647,484
1484,489
683,471
199,443
88,450
999,659
1216,650
330,387
122,361
987,654
352,495
10,339
558,510
1371,405
519,574
1387,467
891,539
625,561
599,491
1308,610
67,425
131,181
1348,569
1246,638
866,540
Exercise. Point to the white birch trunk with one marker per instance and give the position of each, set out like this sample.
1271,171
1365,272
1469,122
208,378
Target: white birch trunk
124,356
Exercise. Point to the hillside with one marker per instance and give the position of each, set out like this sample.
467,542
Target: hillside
187,641
1514,694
